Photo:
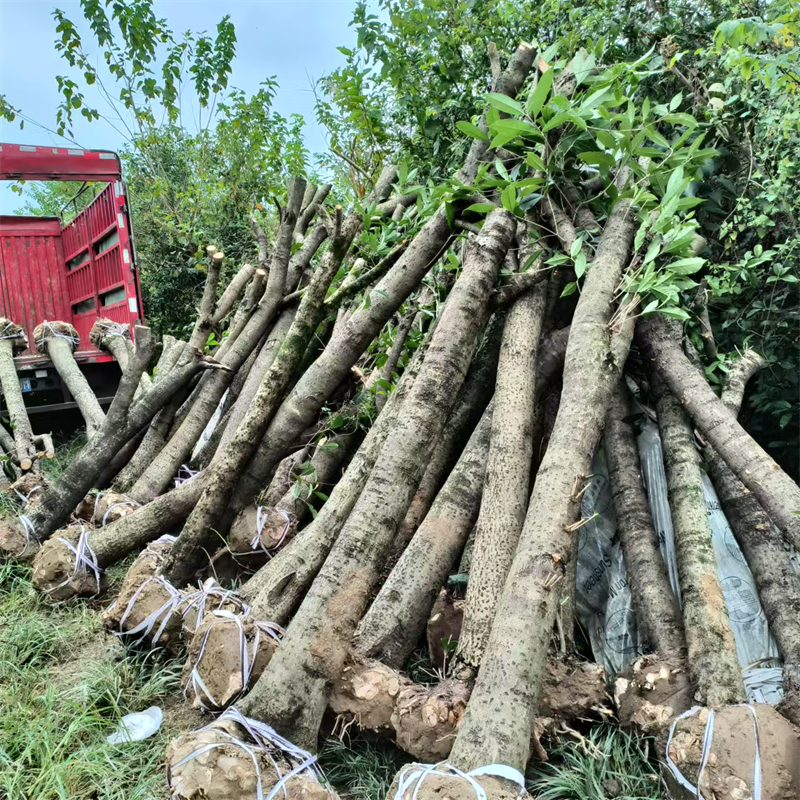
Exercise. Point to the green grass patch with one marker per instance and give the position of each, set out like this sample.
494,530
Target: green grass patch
64,685
608,764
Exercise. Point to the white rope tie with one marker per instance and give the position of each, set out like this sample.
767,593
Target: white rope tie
111,329
264,740
26,498
129,501
167,609
246,660
261,522
415,774
708,736
184,474
18,335
85,561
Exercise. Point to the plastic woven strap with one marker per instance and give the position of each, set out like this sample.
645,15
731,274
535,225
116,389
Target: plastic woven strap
85,560
266,741
163,613
30,531
5,335
26,498
209,590
127,502
708,736
414,775
184,474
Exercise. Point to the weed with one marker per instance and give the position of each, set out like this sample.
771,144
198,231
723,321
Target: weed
608,764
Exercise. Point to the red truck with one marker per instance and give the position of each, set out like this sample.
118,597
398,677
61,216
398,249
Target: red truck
75,272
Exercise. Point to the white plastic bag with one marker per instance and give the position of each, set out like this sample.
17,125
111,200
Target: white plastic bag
137,726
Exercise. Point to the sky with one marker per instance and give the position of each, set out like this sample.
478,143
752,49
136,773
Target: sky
295,40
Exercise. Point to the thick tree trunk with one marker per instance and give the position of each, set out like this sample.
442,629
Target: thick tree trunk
470,404
497,725
392,627
657,613
775,490
293,691
13,336
763,546
507,485
58,341
711,649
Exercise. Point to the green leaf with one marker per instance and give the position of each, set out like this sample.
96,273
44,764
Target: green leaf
481,208
653,250
675,185
575,247
580,264
508,198
676,101
504,103
472,130
533,160
538,97
597,158
675,313
650,307
686,266
569,289
558,119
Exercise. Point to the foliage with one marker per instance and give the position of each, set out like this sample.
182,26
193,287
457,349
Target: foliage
608,763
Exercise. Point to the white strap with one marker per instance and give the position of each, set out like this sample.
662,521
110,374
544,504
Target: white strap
415,774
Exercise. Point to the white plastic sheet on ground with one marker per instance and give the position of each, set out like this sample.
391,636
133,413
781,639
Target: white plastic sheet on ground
603,597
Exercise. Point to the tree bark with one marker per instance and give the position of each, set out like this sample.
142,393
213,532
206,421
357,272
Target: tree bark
711,649
657,612
775,490
13,336
293,691
58,340
497,725
391,628
763,546
507,484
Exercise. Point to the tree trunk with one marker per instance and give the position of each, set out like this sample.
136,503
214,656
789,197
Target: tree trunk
384,373
58,340
497,727
392,627
711,649
13,336
763,546
775,490
657,613
293,691
276,590
507,485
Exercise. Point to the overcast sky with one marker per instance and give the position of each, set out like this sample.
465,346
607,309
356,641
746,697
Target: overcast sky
295,40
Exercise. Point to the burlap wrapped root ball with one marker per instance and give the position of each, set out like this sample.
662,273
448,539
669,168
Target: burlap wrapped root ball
226,656
141,596
728,774
17,537
29,489
60,573
266,528
367,692
652,692
226,771
103,508
103,328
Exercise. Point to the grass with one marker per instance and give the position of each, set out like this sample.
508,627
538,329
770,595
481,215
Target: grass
609,764
64,685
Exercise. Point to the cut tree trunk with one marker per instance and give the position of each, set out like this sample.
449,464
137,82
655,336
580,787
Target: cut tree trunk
293,692
507,485
775,490
711,649
12,337
657,614
497,727
58,341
